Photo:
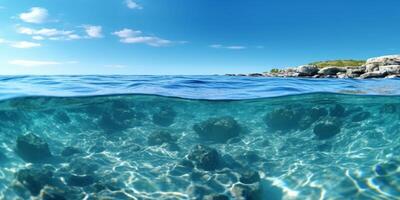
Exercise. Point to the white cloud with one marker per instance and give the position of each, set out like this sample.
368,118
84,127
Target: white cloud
48,33
56,34
35,15
24,44
33,63
235,47
132,5
93,31
135,37
19,44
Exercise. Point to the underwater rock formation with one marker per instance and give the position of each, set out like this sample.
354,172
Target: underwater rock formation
159,138
33,149
164,117
248,176
219,129
34,179
361,116
327,129
283,119
205,158
69,151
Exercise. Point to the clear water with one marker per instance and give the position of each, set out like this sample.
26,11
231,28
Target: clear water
355,155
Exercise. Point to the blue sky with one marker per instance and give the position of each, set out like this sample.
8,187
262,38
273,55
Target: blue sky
190,36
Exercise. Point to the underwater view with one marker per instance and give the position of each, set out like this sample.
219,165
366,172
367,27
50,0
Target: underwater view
64,141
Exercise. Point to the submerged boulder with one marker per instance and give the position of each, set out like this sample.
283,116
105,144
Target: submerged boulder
360,116
246,192
32,148
219,129
34,179
69,151
337,111
248,176
53,193
159,138
317,113
216,197
164,117
205,158
283,119
80,180
327,129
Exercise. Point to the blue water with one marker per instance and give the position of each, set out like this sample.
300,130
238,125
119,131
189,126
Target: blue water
198,137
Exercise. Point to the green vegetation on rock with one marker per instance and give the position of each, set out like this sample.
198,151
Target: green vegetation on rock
274,70
339,63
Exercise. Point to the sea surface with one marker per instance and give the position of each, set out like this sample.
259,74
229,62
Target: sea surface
198,137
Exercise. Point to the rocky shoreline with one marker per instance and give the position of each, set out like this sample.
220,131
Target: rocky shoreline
379,67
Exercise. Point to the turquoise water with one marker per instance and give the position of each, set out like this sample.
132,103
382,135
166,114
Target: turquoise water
61,141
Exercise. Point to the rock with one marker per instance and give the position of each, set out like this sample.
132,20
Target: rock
69,151
383,61
245,192
52,193
216,197
307,70
331,70
393,76
317,113
34,179
198,192
360,116
375,74
337,111
164,117
33,149
355,72
389,108
387,168
342,75
249,176
256,75
327,129
283,119
219,129
83,166
80,181
159,138
62,117
205,158
390,69
109,124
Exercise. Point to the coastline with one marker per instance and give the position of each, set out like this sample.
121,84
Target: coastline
378,67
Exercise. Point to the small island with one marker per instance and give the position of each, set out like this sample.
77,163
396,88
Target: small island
379,67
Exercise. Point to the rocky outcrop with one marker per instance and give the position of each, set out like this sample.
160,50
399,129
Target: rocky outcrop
307,70
379,67
331,70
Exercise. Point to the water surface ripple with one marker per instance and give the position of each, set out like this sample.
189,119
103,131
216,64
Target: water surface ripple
194,87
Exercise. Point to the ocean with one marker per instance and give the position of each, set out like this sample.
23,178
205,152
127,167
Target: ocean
198,137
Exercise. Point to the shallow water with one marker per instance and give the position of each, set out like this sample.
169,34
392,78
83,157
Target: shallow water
119,157
95,137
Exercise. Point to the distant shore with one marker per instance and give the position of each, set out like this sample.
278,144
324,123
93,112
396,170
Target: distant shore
378,67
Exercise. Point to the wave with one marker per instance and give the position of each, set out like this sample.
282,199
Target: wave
191,87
